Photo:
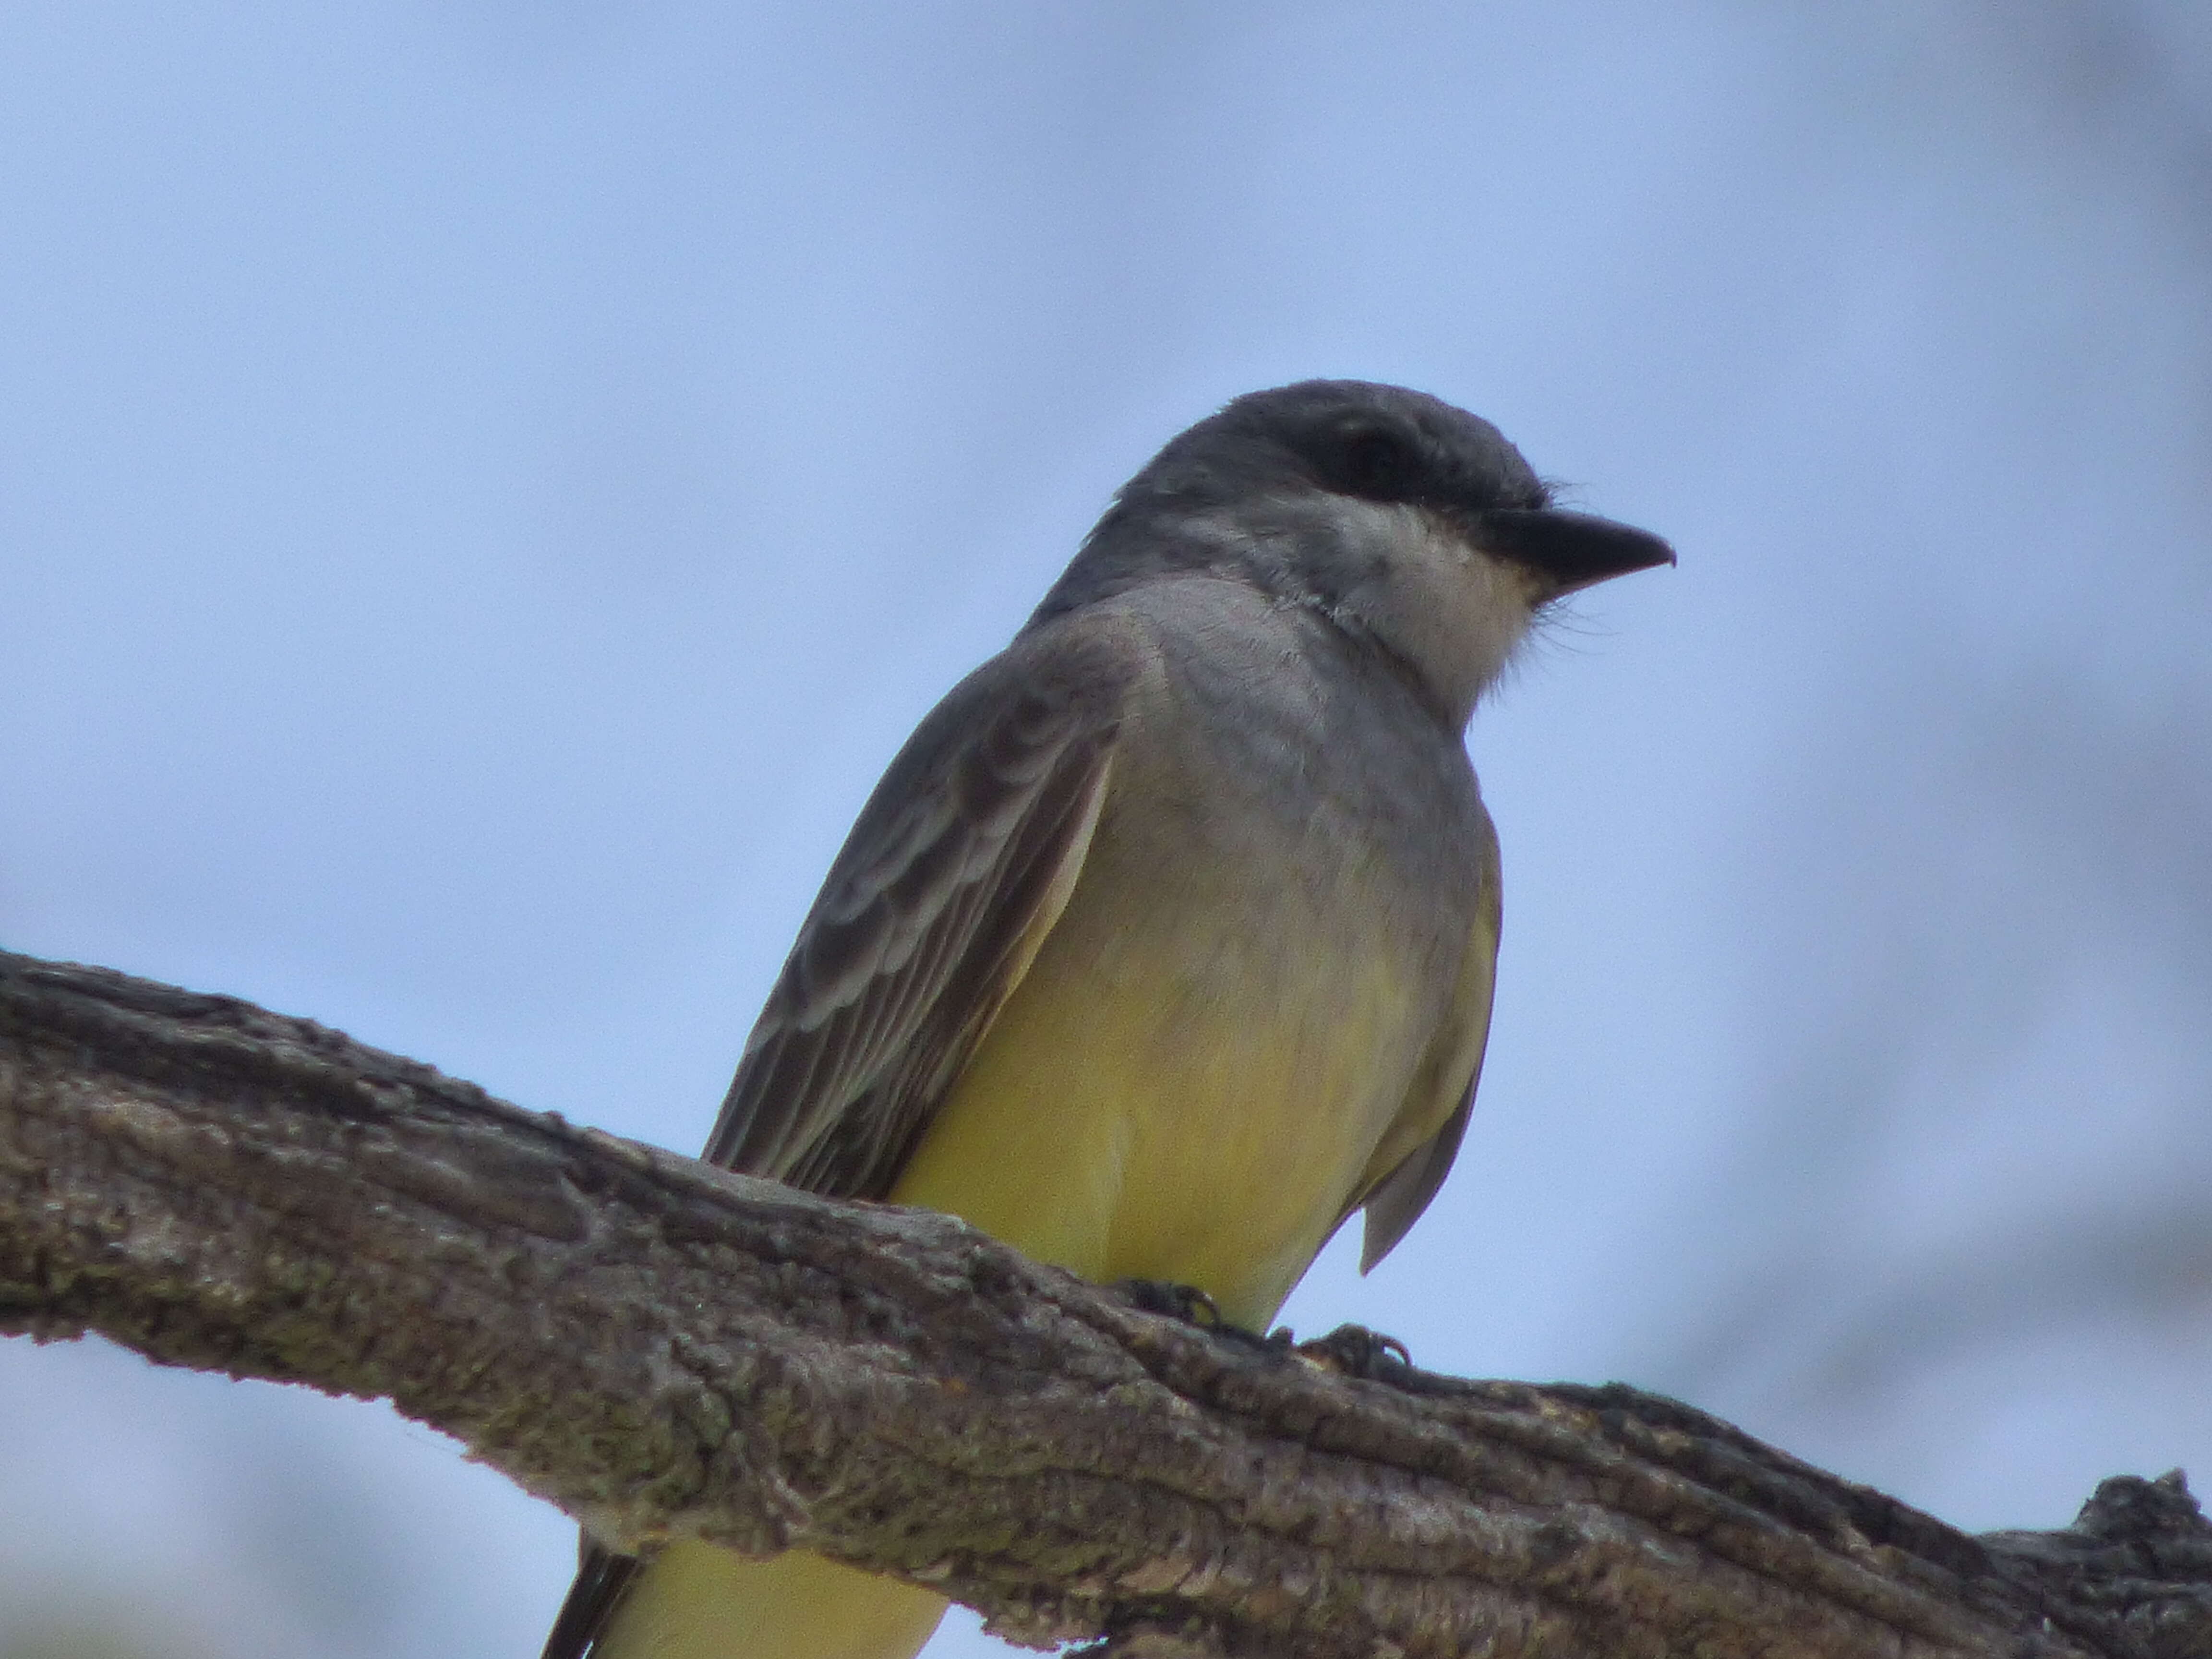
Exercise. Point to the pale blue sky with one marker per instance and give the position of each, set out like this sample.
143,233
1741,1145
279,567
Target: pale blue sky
484,490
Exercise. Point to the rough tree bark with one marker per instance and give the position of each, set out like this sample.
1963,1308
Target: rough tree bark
665,1348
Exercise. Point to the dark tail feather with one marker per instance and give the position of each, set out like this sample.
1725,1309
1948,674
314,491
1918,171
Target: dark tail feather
602,1579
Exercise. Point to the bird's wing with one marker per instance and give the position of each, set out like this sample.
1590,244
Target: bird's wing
1401,1180
958,867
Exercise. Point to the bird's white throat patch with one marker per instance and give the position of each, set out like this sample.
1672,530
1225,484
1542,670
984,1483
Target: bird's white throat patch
1451,611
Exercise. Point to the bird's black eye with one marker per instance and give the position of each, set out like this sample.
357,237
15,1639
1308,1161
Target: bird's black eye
1376,464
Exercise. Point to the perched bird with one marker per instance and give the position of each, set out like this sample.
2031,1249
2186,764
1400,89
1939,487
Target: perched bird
1167,942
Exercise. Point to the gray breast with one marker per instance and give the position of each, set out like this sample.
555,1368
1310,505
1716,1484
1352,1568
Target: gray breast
1275,762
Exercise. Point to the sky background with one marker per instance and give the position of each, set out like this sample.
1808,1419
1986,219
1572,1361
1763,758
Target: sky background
484,489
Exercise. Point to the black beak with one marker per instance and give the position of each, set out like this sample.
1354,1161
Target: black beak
1573,548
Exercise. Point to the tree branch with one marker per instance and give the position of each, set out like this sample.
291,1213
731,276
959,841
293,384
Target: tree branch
663,1348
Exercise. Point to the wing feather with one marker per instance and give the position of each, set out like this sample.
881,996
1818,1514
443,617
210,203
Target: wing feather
957,869
917,937
1442,1090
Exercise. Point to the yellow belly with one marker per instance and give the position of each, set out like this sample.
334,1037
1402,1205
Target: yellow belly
1194,1140
695,1602
1195,1110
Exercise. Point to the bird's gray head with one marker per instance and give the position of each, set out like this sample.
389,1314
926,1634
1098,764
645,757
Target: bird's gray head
1411,524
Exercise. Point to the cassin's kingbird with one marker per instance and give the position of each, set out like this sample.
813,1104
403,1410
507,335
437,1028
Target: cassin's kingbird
1167,942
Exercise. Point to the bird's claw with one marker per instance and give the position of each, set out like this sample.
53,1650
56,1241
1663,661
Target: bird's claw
1354,1351
1192,1306
1170,1301
1349,1350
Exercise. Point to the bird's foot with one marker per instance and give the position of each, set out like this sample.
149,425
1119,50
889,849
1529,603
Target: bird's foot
1353,1350
1170,1301
1189,1305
